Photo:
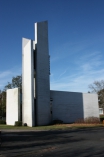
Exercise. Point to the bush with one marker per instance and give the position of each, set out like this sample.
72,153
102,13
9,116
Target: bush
57,121
89,120
25,124
92,120
101,118
18,123
2,122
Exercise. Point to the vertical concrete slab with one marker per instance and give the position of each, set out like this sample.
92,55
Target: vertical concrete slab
12,106
27,83
42,73
90,105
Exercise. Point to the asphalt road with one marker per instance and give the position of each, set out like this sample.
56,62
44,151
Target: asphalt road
71,143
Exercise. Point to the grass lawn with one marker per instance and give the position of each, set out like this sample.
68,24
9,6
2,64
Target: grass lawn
50,127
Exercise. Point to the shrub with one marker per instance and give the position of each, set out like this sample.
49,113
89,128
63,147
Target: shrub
2,122
25,124
92,120
18,123
89,120
101,118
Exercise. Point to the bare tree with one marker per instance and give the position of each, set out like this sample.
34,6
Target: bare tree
98,87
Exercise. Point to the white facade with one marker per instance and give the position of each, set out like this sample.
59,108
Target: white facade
12,106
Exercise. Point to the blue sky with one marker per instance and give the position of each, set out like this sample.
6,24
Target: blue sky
76,40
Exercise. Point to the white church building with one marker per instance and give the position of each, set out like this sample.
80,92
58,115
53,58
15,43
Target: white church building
40,105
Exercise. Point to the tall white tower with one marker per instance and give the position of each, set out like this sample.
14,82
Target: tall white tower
35,78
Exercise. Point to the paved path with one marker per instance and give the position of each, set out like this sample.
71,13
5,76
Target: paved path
71,143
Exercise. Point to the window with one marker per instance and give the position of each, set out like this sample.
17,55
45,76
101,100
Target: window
100,110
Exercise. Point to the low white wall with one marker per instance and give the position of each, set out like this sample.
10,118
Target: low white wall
12,106
71,106
90,105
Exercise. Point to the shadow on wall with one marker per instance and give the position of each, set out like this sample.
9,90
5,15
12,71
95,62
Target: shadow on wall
67,106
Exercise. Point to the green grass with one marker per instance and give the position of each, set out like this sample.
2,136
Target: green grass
49,127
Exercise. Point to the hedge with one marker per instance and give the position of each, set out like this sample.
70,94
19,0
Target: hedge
18,123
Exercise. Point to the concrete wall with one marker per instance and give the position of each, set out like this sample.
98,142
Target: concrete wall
90,105
71,106
12,106
67,106
27,83
42,74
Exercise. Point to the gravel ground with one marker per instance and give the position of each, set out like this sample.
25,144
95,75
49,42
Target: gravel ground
87,142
